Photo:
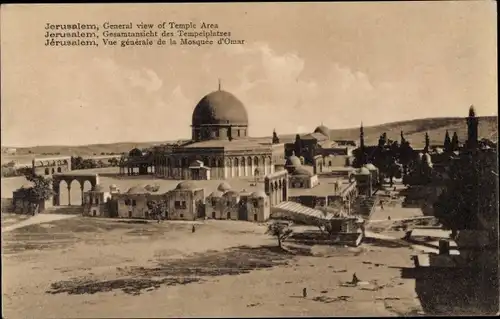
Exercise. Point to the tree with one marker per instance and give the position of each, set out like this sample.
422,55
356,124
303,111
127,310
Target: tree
455,144
298,145
471,190
427,143
157,208
39,192
279,230
276,139
447,142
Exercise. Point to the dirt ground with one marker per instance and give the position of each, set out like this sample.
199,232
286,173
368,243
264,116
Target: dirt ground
85,267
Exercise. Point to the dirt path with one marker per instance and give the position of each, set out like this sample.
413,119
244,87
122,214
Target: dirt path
38,219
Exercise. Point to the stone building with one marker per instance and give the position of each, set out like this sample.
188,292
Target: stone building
364,181
334,153
220,146
98,203
185,202
225,203
49,166
22,203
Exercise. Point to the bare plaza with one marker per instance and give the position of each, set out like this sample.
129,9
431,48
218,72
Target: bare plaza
329,168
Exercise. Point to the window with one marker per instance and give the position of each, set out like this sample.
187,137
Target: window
255,203
94,212
255,217
129,214
97,201
47,172
181,215
239,133
228,203
127,202
134,202
59,170
228,215
177,204
213,215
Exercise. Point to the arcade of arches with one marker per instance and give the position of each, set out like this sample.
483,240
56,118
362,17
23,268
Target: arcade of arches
276,187
93,179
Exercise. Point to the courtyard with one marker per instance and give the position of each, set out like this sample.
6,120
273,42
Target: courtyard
89,267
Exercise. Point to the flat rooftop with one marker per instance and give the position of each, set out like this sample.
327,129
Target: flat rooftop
237,184
325,187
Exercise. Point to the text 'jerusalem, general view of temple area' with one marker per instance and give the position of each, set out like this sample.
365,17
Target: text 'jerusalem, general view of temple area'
397,219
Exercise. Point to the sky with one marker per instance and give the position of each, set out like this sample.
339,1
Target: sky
302,65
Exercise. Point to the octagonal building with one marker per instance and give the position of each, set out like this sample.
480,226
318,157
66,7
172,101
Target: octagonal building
220,146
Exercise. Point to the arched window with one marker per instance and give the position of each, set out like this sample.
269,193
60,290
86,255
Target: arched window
59,170
47,171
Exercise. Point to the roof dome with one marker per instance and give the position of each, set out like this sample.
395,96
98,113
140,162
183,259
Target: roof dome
323,130
371,167
135,152
301,171
231,193
216,194
259,194
223,187
136,190
293,161
186,185
220,107
363,171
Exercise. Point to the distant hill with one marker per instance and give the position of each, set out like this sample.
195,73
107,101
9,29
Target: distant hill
414,131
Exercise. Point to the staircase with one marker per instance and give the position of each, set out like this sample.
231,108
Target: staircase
64,210
296,212
364,206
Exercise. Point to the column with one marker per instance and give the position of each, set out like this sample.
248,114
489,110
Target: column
69,195
81,187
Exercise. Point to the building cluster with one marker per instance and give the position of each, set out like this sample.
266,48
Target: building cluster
220,148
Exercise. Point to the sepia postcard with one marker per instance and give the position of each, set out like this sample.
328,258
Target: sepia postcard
249,159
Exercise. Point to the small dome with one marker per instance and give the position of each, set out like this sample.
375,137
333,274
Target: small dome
363,171
244,192
27,185
293,161
371,167
224,187
301,171
97,188
186,185
136,190
216,194
259,194
231,193
323,130
135,152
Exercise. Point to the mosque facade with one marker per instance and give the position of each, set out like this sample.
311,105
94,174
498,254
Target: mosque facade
220,146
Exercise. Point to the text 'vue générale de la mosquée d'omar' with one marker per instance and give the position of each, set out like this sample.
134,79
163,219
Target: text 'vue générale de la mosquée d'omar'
134,34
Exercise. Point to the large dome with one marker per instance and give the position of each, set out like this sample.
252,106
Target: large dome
220,107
